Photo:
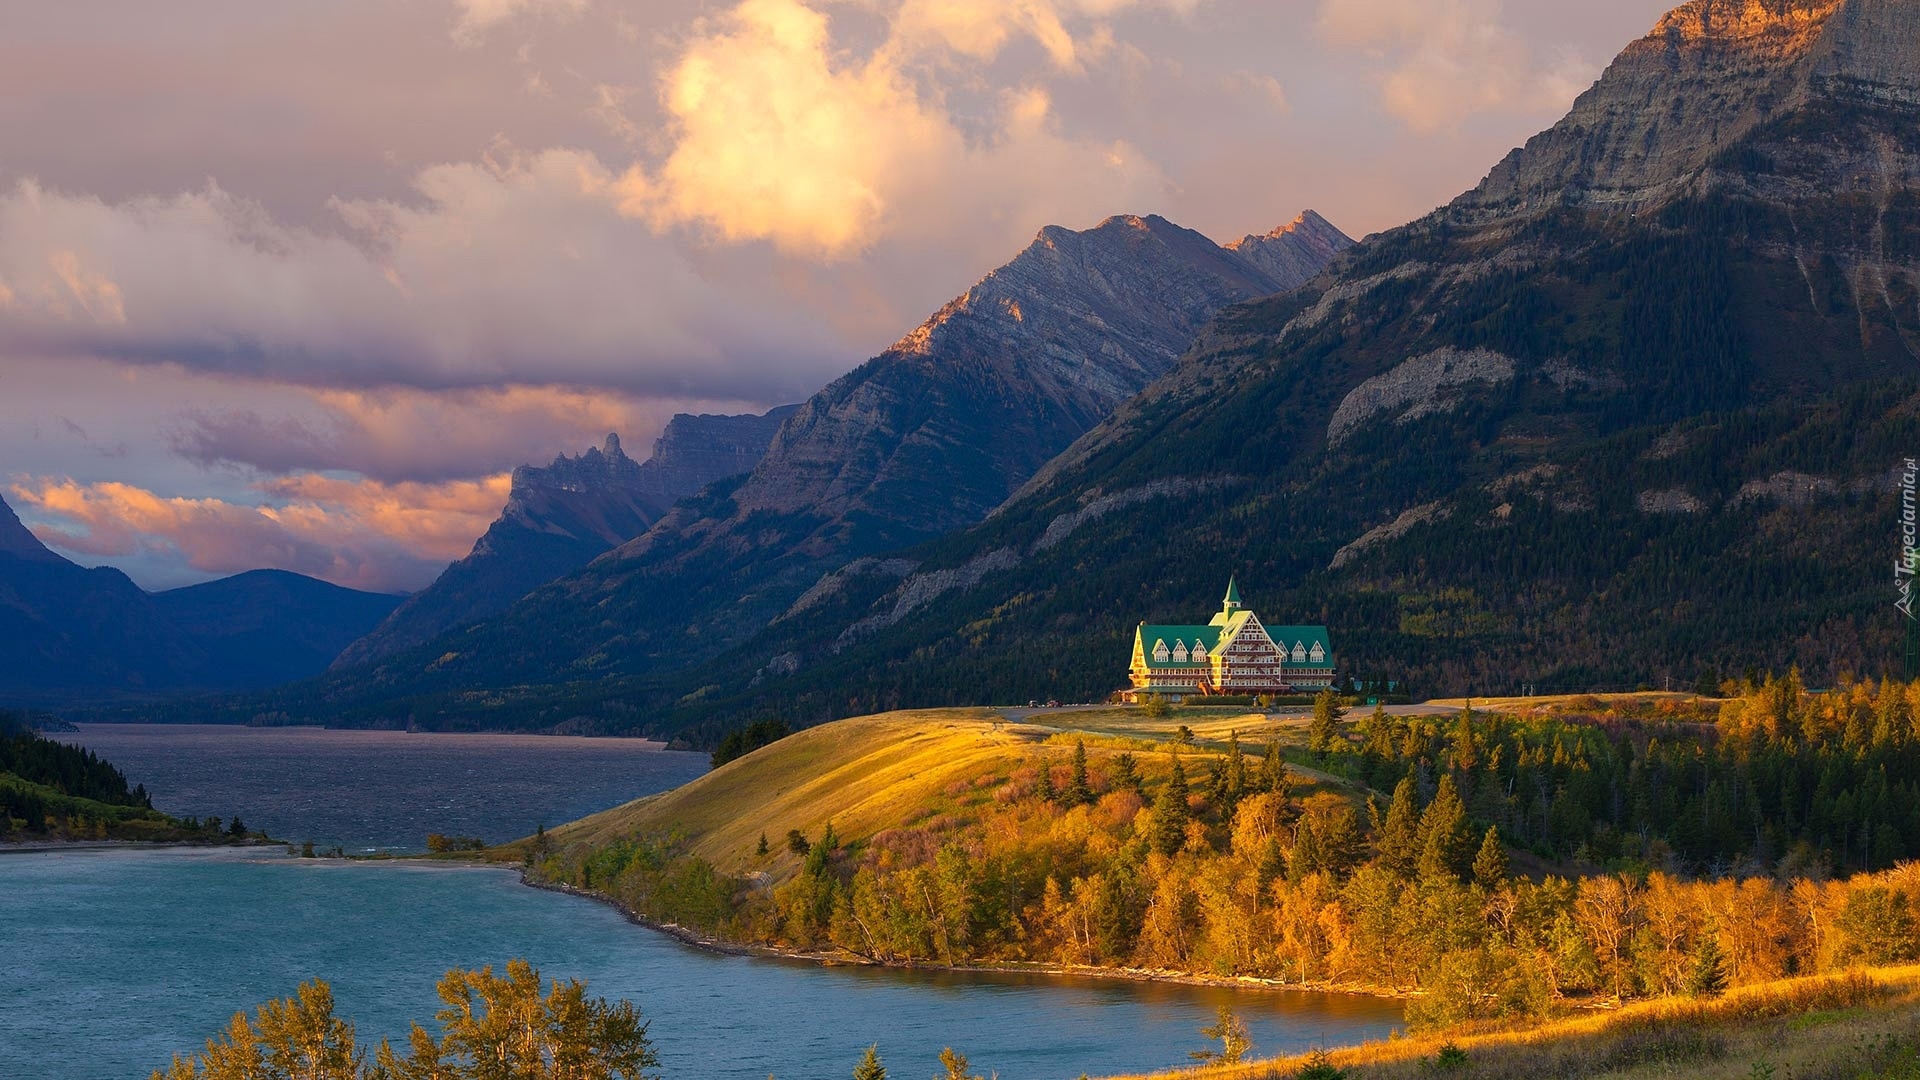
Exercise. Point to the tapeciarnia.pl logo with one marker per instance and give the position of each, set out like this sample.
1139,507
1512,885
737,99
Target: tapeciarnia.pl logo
1903,570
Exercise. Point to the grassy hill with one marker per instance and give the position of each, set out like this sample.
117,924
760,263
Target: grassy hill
871,774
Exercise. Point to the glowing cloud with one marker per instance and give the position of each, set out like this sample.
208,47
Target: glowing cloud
361,534
1445,60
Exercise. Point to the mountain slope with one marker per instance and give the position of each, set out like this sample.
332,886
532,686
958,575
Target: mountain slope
266,627
925,438
68,633
561,517
1630,411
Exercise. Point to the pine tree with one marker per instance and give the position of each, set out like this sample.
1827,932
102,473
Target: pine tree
870,1067
1045,790
762,849
1709,975
1079,789
1126,774
1320,734
1273,772
956,1065
1236,771
1490,865
1170,812
1443,834
1399,841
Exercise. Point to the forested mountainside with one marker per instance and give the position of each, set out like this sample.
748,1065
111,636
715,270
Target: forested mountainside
1631,411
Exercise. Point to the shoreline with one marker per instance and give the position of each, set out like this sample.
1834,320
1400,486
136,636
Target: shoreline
31,847
696,940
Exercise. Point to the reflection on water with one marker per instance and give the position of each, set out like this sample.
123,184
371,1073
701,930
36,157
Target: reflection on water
119,959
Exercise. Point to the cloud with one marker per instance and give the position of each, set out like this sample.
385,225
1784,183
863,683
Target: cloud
1445,60
476,17
780,134
512,271
399,435
357,533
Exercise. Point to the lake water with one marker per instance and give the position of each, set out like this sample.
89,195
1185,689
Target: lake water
383,790
112,961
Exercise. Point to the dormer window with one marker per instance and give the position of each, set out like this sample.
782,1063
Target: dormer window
1199,653
1159,652
1299,653
1318,654
1179,652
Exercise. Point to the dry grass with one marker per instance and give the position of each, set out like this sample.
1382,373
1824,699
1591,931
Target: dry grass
871,774
1865,1024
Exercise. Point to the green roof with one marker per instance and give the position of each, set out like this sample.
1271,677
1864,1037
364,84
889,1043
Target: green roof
1305,636
1233,593
1208,636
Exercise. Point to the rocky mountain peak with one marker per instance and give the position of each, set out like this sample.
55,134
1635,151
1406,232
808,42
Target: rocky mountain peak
17,540
1293,253
1659,124
598,468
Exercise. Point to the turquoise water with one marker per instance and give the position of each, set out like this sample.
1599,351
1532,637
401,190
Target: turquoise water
115,960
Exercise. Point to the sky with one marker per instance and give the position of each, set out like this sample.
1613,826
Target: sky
297,285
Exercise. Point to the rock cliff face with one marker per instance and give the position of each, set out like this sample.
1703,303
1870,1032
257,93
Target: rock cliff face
1657,125
562,516
925,438
1295,253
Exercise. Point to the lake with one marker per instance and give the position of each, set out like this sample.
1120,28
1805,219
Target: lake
383,790
117,959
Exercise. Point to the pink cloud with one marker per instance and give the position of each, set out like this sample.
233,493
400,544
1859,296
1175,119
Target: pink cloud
359,533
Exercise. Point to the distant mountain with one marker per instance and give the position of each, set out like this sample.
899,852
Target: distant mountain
70,634
925,438
267,627
561,517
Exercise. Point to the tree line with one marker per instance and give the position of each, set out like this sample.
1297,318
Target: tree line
1663,857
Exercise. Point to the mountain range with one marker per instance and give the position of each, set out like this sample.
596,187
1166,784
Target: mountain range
68,633
1628,412
561,517
925,438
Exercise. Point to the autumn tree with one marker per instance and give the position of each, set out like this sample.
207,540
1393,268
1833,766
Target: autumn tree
870,1067
1232,1033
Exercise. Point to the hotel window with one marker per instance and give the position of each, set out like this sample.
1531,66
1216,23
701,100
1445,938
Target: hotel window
1179,652
1199,653
1159,652
1299,653
1319,654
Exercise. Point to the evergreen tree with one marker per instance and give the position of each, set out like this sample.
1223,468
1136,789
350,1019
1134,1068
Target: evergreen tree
1170,812
1399,841
1444,838
1490,865
1079,789
1709,975
870,1067
1045,790
1320,733
762,849
1126,774
1273,772
956,1065
1236,772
